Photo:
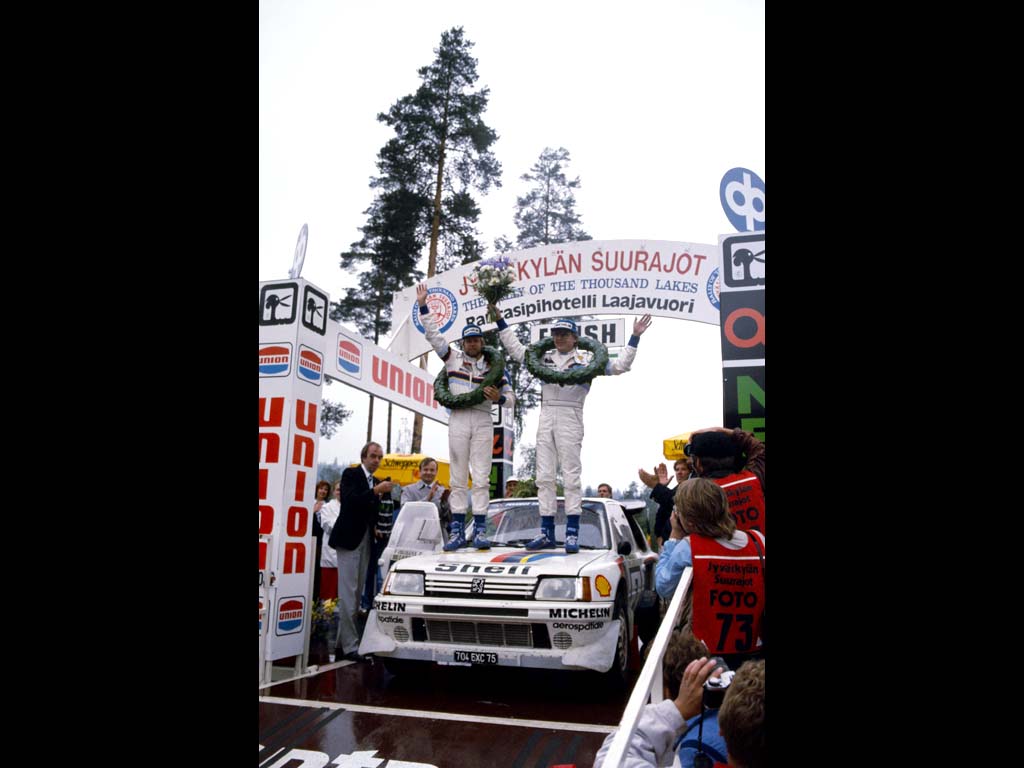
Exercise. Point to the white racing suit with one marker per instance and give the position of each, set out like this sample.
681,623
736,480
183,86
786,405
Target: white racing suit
560,431
470,430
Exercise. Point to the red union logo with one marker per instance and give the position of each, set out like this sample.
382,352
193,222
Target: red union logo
350,356
311,365
275,359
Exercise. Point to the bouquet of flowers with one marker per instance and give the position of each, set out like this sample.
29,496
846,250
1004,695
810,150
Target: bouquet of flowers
493,280
324,612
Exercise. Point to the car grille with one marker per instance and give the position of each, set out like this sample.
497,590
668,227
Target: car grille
494,587
476,610
481,633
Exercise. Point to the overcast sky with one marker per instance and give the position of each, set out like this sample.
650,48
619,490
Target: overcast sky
655,101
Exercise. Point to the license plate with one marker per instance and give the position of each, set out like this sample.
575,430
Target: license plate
476,657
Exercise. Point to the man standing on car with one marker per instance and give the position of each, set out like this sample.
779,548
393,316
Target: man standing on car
560,430
471,429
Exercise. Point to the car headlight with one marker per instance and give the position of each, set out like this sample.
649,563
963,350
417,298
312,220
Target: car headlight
556,589
406,584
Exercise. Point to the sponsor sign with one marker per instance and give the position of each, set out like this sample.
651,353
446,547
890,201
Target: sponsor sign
275,359
391,607
291,611
743,332
443,306
311,366
611,333
291,342
522,570
742,196
350,356
632,277
277,303
314,310
580,613
360,363
589,626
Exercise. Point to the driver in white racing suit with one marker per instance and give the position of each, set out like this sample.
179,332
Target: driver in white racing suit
560,430
470,430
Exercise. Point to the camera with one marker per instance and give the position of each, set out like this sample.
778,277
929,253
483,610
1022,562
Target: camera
715,686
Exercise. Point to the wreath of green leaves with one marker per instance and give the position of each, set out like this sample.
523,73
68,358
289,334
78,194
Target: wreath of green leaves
535,352
444,396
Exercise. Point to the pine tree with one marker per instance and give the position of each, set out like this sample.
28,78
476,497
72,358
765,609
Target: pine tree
332,416
387,254
547,213
330,473
440,130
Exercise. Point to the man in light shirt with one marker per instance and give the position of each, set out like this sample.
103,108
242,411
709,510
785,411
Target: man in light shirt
428,489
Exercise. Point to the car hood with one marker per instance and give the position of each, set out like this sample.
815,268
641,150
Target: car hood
540,563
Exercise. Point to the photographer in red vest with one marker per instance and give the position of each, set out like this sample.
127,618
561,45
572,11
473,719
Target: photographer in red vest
728,589
734,459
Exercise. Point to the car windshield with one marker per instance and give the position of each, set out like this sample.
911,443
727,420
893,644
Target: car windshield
512,523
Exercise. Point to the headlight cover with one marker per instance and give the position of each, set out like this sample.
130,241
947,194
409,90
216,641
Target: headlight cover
556,589
406,584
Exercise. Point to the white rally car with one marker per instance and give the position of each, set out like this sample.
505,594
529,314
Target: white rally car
508,606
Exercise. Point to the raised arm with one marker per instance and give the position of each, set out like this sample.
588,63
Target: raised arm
437,341
625,360
508,337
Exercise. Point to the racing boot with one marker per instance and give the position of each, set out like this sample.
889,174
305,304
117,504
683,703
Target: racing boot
546,540
456,539
572,534
480,525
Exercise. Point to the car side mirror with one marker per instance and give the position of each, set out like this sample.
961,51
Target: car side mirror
625,548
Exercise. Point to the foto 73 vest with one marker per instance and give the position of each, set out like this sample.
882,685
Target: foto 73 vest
728,595
746,499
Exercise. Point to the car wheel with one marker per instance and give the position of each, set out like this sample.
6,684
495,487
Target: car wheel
618,674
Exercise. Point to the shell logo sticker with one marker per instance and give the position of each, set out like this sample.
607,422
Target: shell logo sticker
603,586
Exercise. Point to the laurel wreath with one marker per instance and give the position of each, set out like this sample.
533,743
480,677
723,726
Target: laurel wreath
583,375
444,396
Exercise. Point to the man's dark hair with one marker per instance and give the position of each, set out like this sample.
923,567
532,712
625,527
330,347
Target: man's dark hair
683,648
712,445
709,465
366,449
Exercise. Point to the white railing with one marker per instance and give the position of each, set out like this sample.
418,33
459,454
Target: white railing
649,686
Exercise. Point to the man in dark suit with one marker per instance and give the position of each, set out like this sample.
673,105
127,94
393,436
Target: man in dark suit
351,537
660,492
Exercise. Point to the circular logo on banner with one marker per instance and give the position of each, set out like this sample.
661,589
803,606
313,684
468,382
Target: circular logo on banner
442,305
742,196
714,289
